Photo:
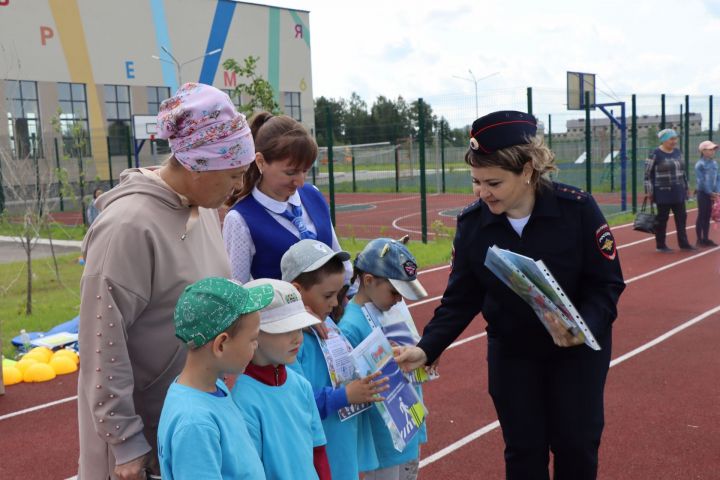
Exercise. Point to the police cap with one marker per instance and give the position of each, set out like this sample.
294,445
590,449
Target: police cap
500,130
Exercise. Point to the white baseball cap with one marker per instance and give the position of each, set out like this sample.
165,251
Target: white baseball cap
286,311
707,145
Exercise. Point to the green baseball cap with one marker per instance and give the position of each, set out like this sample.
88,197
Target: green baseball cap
208,307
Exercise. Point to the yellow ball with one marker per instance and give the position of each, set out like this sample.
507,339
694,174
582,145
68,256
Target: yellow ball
39,357
63,365
42,352
66,353
11,375
39,372
24,363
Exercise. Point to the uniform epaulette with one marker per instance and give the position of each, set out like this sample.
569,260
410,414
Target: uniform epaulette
476,205
569,192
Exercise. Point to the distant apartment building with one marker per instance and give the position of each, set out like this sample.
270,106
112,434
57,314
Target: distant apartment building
600,127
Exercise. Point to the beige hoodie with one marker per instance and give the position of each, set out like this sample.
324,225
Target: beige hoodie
144,248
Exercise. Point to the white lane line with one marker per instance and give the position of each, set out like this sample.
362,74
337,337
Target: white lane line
37,407
492,426
416,304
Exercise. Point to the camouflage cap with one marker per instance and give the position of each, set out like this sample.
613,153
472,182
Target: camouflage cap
208,307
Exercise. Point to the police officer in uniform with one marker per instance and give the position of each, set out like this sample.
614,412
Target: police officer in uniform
546,385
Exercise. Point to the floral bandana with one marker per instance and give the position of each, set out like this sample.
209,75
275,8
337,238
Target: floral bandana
204,129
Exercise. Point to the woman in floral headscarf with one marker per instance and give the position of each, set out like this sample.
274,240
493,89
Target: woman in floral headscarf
158,233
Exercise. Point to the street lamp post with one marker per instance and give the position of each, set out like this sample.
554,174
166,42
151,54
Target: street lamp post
179,65
475,81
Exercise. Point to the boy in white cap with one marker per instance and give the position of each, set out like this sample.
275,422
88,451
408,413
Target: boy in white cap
202,433
708,185
276,401
387,273
318,273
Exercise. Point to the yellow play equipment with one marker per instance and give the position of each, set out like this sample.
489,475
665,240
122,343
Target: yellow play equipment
39,365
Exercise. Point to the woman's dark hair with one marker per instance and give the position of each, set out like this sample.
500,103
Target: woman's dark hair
95,192
277,137
514,158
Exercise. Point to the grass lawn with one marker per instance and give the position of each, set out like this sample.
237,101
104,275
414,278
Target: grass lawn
53,302
59,231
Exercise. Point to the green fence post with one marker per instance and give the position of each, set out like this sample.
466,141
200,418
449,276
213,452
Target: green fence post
633,153
2,191
57,166
550,132
687,137
612,153
442,152
710,130
109,162
354,185
81,182
588,145
529,100
423,192
662,112
331,180
36,166
130,148
397,169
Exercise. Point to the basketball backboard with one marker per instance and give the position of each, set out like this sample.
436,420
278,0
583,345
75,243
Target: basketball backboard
577,84
144,127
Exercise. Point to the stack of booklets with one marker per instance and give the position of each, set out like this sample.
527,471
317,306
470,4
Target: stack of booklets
534,283
402,410
399,327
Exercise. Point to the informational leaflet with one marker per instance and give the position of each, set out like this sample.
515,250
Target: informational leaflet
399,327
402,410
534,283
336,350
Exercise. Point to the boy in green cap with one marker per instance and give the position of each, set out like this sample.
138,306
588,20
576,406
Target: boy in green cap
202,433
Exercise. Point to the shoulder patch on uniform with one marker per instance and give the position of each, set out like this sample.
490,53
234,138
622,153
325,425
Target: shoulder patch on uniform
606,242
476,205
569,192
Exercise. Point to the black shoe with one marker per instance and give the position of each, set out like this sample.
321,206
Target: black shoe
708,243
687,247
664,249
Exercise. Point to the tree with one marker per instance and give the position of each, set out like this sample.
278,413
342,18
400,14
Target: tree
430,120
357,121
337,111
389,120
257,91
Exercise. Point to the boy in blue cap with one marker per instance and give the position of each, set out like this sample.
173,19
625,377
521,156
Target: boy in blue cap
202,432
387,273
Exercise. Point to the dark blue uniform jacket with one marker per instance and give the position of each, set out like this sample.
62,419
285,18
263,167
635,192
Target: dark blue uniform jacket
568,232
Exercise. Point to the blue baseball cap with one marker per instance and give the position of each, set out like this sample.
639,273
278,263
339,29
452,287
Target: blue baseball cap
388,258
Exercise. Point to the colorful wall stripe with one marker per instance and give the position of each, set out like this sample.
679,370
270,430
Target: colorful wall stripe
274,51
162,38
72,38
218,35
306,31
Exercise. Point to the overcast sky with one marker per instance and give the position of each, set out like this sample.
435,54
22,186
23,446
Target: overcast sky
416,48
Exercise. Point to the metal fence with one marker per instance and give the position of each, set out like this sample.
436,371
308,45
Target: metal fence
417,182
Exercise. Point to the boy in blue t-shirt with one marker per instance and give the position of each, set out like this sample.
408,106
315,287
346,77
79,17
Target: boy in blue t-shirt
387,273
202,433
318,273
708,186
276,401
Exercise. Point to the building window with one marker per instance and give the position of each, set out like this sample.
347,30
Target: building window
156,95
23,118
117,112
292,105
74,118
236,99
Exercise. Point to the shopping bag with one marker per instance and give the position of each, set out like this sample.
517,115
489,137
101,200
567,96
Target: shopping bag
715,213
644,220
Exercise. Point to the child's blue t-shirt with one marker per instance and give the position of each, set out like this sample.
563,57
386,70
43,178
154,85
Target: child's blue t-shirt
284,430
356,328
205,436
350,447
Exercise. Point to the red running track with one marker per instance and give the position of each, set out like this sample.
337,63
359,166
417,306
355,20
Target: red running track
662,416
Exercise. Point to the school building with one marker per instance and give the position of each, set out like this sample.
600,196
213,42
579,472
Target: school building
91,65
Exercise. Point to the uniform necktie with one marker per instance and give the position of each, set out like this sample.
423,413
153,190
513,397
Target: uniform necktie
294,214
